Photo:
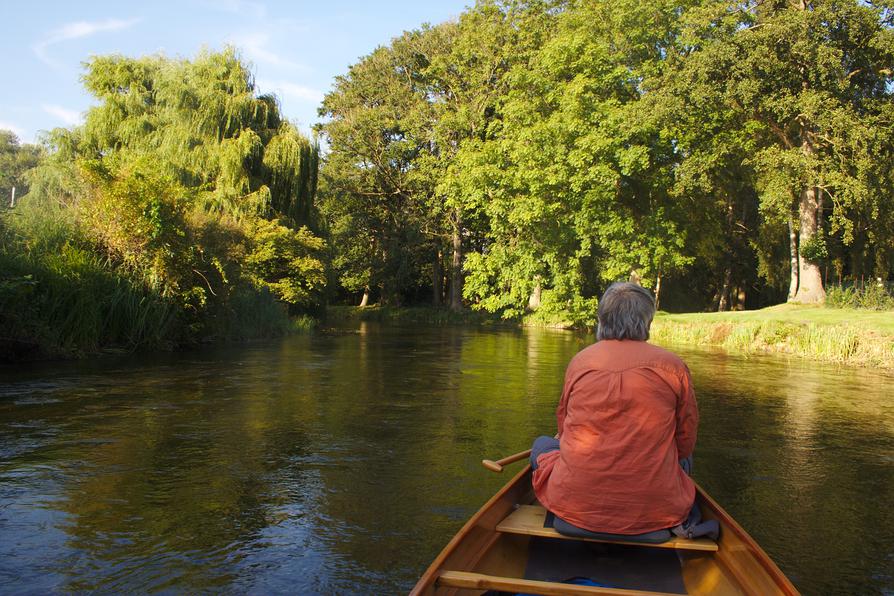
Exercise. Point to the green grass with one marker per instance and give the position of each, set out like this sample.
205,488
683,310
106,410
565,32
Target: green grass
848,336
302,324
880,321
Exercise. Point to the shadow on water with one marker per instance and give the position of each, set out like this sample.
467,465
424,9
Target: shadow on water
342,462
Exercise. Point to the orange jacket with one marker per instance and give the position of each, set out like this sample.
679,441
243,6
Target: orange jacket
626,417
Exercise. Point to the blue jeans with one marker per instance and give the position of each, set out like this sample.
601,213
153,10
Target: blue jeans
542,445
692,527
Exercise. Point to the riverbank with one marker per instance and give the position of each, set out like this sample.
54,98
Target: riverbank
413,315
845,336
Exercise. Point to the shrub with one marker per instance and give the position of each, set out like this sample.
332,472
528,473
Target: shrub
872,296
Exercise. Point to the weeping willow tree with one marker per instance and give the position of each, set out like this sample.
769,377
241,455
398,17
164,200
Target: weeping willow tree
204,121
187,180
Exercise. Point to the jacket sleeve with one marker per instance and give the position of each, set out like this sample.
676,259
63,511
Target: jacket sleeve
687,417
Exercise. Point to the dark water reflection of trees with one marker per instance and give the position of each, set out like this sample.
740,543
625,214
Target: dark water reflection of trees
342,462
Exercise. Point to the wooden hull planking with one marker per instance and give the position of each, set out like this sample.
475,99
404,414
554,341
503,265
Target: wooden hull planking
480,557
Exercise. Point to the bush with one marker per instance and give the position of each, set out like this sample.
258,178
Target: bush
872,296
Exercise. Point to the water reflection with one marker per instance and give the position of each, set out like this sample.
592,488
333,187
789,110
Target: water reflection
342,462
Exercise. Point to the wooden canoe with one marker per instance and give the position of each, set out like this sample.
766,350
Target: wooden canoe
504,547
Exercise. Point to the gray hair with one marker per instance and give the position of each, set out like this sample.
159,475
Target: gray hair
625,312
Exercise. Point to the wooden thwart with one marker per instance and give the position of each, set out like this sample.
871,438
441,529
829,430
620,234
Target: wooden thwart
480,581
529,519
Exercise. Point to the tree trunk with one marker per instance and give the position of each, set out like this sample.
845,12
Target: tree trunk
658,292
456,279
365,300
793,251
436,279
534,298
810,278
724,302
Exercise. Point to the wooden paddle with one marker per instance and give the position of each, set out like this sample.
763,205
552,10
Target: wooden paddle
497,466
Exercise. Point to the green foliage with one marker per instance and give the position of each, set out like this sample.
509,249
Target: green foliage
808,87
68,301
518,158
15,160
182,185
552,147
815,249
577,181
871,296
136,215
286,262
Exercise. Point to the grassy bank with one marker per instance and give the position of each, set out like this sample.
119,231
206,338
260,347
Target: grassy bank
847,336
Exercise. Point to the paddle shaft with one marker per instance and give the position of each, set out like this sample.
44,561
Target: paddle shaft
497,466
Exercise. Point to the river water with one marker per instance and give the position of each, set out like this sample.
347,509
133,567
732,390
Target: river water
343,461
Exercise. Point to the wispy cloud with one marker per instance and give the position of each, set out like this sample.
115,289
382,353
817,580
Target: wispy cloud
78,30
292,90
68,117
256,48
244,7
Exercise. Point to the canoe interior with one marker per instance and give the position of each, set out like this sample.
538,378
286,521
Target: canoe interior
738,567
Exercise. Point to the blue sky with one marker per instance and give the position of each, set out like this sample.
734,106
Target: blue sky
295,48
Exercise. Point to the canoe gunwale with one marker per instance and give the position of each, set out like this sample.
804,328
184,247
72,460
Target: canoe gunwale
729,524
513,486
511,494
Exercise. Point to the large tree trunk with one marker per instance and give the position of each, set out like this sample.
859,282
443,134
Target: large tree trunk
456,274
810,278
365,300
793,252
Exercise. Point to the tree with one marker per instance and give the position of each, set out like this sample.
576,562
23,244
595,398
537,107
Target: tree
189,182
467,83
577,181
374,203
812,82
15,160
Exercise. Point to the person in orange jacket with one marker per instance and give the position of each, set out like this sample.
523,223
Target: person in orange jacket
627,423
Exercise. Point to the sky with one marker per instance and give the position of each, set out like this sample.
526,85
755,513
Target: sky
295,49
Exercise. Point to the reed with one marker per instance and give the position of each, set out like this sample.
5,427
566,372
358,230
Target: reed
838,343
68,303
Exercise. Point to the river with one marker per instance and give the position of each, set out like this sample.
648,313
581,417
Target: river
342,461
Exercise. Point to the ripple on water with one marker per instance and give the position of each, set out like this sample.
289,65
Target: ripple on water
317,464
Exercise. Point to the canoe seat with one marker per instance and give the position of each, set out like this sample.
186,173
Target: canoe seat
529,520
480,581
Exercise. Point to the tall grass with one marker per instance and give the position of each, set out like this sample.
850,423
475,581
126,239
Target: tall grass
828,343
67,302
60,298
874,295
